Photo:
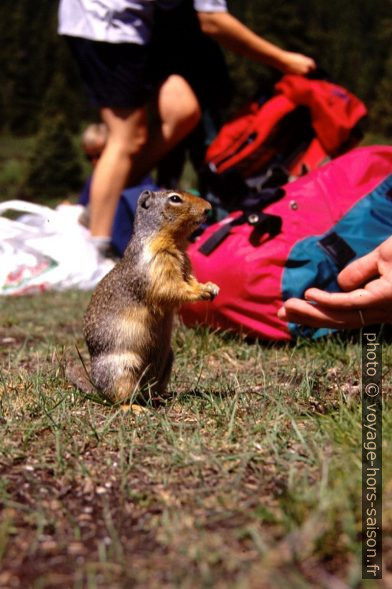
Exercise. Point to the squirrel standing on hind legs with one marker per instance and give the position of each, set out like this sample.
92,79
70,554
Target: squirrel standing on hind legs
128,322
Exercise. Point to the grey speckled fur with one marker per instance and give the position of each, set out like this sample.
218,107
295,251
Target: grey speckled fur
128,322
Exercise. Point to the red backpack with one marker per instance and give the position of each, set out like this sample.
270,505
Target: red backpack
304,123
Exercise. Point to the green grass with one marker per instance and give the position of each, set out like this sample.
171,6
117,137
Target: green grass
248,477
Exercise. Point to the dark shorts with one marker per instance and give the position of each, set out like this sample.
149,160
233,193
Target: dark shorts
178,46
114,73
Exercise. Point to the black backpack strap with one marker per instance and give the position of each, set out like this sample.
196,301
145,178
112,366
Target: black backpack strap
338,249
261,222
216,238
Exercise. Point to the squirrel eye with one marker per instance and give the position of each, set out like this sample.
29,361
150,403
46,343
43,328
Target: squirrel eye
175,198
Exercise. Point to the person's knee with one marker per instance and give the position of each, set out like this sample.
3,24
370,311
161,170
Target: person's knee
128,146
128,132
187,104
191,114
178,106
135,143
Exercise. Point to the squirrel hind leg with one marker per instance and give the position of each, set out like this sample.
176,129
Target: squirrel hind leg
124,389
144,387
117,375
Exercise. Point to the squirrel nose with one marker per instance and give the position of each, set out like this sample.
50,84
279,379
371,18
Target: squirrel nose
206,211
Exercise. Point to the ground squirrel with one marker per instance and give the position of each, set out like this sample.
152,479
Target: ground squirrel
128,322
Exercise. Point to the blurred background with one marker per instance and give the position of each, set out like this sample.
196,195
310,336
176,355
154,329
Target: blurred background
43,105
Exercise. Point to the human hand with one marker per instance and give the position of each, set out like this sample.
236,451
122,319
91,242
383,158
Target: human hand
367,300
296,63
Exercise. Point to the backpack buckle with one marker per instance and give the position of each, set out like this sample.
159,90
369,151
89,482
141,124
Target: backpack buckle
263,223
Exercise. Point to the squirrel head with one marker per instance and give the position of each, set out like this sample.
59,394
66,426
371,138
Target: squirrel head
174,212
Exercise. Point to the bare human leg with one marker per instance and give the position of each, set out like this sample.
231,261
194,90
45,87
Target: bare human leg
178,113
131,152
127,135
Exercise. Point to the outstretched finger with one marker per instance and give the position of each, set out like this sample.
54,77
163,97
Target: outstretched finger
356,299
299,311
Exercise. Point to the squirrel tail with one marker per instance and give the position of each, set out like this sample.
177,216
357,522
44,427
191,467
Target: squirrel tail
78,376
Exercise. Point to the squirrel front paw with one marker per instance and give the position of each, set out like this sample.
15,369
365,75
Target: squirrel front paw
210,291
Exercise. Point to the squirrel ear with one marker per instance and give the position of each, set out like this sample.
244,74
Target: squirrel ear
145,197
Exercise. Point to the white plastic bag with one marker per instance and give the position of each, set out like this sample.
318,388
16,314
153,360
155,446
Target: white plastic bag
46,249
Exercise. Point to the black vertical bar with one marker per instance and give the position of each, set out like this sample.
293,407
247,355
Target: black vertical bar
371,453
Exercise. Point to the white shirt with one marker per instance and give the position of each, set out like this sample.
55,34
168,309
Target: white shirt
119,21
